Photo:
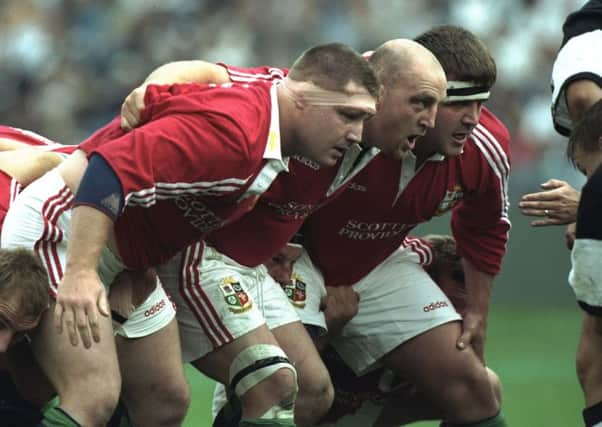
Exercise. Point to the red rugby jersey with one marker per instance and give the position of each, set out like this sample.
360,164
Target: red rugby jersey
200,160
363,226
281,210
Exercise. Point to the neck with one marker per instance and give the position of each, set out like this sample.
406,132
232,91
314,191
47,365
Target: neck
423,150
286,116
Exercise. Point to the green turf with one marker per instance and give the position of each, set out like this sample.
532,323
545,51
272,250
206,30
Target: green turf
531,348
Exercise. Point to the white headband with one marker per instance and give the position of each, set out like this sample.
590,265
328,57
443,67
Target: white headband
458,91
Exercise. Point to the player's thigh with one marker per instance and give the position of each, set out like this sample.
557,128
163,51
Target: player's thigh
301,351
70,367
433,355
153,362
398,303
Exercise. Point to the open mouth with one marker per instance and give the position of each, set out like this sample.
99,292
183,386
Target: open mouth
341,150
460,137
412,140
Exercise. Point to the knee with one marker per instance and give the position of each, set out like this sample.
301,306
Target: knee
283,385
166,404
266,382
314,399
174,400
94,408
474,383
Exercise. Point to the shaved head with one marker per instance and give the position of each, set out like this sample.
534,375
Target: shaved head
396,60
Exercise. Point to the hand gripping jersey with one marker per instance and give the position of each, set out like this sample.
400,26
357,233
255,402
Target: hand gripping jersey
10,187
362,227
202,157
281,210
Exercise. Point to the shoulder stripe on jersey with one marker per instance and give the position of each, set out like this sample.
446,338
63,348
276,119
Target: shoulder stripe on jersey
498,161
164,190
422,249
197,300
241,76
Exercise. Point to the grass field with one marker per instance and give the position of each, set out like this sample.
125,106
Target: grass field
531,348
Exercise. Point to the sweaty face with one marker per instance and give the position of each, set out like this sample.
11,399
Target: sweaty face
280,267
455,123
587,161
406,112
330,130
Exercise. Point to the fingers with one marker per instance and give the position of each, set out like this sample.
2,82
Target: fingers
58,317
81,319
131,108
531,199
553,183
80,322
464,340
547,221
103,304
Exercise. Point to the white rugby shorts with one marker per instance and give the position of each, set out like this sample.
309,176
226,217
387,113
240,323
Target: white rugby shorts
218,300
398,301
586,273
40,219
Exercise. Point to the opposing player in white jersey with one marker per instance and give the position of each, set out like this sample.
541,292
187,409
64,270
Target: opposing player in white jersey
414,84
576,86
200,161
585,150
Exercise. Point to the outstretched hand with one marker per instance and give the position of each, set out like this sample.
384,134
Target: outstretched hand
556,205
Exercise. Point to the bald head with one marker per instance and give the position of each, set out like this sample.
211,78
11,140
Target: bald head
398,59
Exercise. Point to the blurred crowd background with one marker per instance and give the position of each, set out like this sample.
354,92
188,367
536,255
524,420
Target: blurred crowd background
66,65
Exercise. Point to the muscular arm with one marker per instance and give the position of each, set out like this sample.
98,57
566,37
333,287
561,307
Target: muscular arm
80,291
27,165
7,144
188,71
478,288
172,72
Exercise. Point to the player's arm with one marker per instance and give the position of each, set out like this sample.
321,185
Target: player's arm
478,293
340,305
81,297
27,165
172,72
7,144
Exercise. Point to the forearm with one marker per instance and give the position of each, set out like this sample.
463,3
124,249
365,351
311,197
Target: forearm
478,289
89,231
188,71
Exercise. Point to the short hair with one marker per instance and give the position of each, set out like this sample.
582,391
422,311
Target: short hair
391,64
332,66
24,281
461,54
445,258
586,132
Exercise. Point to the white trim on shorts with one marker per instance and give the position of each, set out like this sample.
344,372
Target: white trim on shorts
40,218
198,281
398,301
